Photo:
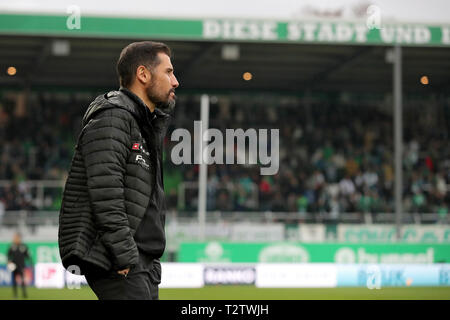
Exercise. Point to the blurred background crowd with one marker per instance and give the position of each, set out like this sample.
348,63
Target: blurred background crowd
334,156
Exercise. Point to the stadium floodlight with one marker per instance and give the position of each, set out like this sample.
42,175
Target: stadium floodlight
247,76
230,52
424,80
11,71
60,47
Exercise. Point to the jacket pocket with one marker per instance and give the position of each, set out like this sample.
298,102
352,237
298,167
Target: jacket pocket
156,272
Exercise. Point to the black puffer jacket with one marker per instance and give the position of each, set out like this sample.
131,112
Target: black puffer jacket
110,182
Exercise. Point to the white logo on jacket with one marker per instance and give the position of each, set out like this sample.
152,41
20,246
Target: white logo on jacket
141,161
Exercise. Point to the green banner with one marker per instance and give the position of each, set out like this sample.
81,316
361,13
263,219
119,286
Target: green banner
388,233
313,252
226,30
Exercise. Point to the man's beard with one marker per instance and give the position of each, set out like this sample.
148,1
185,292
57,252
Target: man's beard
165,103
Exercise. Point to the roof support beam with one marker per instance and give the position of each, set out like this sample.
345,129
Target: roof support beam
38,62
323,75
196,60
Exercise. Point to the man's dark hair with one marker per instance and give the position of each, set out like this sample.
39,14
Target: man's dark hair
136,54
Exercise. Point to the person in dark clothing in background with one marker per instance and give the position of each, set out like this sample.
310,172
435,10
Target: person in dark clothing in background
18,254
112,215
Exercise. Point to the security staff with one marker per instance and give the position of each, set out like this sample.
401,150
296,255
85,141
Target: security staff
18,254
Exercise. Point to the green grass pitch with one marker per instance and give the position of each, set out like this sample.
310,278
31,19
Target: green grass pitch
252,293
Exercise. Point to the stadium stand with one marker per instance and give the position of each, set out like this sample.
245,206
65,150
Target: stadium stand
335,156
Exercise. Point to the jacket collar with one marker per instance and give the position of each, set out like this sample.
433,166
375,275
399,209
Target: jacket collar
143,108
125,99
149,115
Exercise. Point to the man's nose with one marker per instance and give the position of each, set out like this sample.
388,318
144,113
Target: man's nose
175,83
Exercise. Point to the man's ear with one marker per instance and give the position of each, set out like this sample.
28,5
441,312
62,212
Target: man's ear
143,75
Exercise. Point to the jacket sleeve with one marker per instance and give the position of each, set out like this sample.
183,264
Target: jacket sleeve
105,147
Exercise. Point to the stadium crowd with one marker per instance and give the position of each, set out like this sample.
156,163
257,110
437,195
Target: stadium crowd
334,157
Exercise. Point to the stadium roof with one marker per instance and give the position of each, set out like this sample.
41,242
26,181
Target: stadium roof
41,61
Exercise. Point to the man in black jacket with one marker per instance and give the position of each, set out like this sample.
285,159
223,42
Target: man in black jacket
111,226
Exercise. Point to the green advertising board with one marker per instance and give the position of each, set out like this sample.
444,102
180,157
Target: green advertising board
249,30
313,252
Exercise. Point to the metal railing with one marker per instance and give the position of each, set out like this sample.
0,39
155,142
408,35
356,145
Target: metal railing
50,217
24,218
36,188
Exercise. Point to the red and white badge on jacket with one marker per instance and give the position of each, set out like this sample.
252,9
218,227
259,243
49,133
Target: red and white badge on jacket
135,146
